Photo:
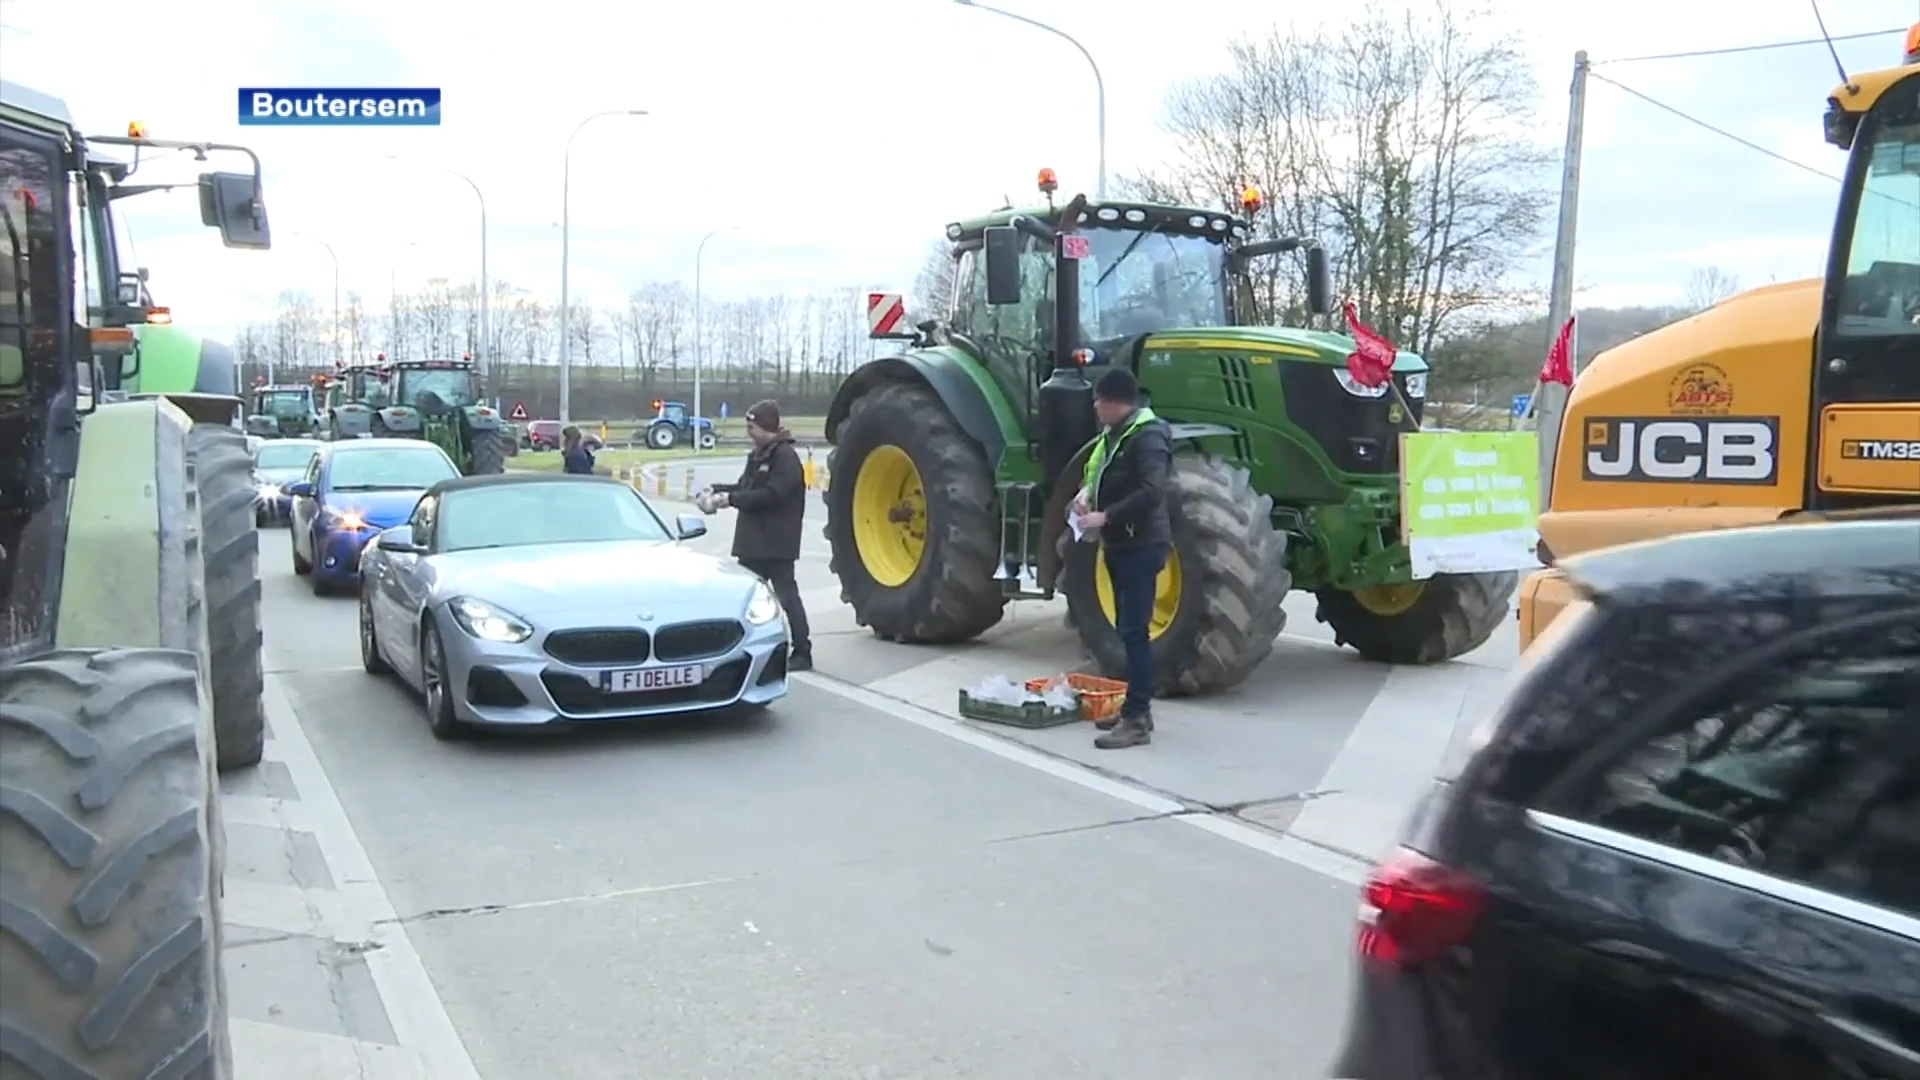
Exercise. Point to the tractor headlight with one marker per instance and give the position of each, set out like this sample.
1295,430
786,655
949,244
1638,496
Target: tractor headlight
488,623
1354,387
764,607
1417,385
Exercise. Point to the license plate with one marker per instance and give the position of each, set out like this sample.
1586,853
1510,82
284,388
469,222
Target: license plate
641,680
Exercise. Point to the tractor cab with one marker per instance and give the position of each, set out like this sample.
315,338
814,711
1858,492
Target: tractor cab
437,383
281,411
439,401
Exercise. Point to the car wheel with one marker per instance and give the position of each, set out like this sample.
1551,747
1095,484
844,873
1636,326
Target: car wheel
433,685
300,566
370,657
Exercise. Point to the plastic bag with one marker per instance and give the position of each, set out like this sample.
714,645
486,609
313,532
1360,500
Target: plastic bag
1000,690
1058,693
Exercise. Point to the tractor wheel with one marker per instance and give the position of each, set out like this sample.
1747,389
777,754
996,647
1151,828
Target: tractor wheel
662,436
912,520
223,476
489,457
1217,607
110,869
1422,622
708,440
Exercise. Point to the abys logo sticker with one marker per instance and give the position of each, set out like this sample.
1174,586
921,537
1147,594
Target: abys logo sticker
1700,390
1682,449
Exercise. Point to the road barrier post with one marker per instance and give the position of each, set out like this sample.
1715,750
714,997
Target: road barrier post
689,491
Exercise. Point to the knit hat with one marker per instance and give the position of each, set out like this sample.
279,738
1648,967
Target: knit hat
765,415
1117,384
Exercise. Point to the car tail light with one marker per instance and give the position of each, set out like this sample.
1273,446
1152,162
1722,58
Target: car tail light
1413,909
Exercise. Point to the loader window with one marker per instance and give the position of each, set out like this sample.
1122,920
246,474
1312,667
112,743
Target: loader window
1881,293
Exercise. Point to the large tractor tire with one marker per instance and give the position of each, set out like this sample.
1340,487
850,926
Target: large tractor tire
1424,622
663,436
223,478
1217,607
489,456
111,857
913,521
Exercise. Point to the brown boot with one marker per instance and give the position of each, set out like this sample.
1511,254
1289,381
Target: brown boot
1127,731
1108,723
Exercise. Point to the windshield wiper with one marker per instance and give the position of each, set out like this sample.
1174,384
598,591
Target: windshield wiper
1115,265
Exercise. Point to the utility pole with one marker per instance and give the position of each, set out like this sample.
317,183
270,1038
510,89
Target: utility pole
1550,399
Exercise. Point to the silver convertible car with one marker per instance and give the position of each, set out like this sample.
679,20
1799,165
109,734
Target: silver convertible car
526,599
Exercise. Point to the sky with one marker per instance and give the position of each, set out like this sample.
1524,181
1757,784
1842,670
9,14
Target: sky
831,140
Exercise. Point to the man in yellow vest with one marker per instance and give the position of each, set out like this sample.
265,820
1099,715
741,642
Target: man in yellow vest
1123,502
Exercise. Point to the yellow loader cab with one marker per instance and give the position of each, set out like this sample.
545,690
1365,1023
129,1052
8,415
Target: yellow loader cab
1799,399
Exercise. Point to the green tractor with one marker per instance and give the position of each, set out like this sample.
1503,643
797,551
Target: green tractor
130,635
954,463
435,400
283,411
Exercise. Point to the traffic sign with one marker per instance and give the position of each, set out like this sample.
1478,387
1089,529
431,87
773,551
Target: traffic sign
1521,402
519,411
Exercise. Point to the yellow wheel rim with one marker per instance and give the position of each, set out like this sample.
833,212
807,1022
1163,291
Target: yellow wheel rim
1390,600
1166,593
889,516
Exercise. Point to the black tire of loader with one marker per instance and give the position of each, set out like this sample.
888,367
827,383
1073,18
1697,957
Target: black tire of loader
1455,614
110,892
953,596
223,476
1233,580
488,454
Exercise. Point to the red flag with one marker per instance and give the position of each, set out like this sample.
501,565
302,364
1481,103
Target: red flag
1559,365
1371,362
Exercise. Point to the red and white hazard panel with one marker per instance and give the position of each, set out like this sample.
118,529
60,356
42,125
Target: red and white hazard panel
885,313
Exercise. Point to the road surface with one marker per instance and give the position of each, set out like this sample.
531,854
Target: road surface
855,885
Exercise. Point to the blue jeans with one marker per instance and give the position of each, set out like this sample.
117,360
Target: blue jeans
1133,572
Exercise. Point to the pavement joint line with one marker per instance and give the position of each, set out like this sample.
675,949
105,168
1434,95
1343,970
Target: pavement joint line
290,909
265,811
562,901
414,1010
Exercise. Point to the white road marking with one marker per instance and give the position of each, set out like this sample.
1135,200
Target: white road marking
419,1019
1320,860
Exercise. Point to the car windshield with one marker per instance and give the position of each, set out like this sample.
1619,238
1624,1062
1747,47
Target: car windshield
293,403
453,386
399,469
283,456
545,512
1137,282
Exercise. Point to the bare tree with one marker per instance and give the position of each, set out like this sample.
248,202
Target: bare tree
1708,286
1402,141
933,286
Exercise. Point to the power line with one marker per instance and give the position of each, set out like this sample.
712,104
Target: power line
1731,49
1720,131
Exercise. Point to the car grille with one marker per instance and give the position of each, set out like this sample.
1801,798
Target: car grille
598,648
697,640
579,697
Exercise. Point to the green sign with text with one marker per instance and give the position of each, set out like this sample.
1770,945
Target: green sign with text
1468,500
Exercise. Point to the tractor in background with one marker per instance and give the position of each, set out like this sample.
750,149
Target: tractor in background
351,396
130,636
671,425
954,462
283,411
440,401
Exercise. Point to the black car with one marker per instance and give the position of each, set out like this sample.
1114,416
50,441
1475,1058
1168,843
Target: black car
1687,846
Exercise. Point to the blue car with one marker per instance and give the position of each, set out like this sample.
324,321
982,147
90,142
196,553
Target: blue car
277,463
352,490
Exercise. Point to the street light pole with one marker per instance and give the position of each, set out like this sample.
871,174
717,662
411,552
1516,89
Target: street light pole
566,223
1099,83
699,326
483,356
336,292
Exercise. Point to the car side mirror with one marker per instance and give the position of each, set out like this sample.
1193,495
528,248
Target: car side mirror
298,489
398,540
1001,247
691,526
233,203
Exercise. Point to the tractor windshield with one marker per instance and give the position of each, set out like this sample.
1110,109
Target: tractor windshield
454,386
283,403
1881,293
1137,282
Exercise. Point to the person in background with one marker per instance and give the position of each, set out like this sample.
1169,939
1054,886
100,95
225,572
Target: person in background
771,497
575,456
1123,502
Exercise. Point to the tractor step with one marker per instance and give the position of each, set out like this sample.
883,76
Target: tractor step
1016,571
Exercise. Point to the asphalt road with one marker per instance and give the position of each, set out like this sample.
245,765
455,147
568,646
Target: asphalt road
851,886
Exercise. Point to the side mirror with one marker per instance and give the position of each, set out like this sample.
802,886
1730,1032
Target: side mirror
398,540
691,526
234,204
1319,281
128,291
298,489
1001,248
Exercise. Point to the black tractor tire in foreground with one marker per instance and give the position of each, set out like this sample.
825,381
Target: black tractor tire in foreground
230,546
488,454
1233,579
110,865
953,595
1454,615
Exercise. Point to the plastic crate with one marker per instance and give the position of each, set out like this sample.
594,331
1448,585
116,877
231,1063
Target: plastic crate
1099,697
1030,714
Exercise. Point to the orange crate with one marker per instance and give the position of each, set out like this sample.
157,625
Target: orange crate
1099,698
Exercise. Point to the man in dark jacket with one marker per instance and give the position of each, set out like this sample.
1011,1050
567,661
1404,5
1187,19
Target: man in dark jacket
1123,495
772,499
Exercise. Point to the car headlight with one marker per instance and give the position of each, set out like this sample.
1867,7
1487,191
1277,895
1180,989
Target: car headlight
488,623
1417,385
764,607
345,519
